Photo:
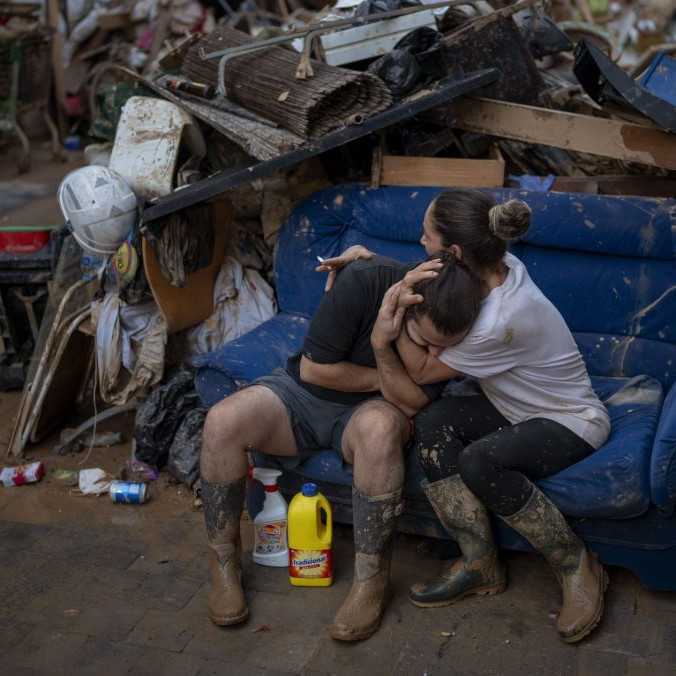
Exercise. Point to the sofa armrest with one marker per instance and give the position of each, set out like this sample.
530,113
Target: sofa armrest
663,461
251,356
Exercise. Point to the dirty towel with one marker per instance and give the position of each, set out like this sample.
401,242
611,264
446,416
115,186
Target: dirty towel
129,336
242,301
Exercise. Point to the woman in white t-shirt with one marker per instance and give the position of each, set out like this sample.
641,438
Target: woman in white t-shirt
528,411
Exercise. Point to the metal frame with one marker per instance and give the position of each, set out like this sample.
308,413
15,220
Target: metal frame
309,33
214,185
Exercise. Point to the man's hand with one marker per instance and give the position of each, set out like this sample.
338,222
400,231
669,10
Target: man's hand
390,319
396,384
332,265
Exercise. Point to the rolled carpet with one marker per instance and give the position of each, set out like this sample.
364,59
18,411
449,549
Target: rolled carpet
265,82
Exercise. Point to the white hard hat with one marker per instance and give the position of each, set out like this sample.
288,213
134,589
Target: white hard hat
100,206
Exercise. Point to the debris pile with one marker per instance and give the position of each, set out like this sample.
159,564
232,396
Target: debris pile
219,117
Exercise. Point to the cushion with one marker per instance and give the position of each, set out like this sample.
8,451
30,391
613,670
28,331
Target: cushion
253,355
611,483
663,461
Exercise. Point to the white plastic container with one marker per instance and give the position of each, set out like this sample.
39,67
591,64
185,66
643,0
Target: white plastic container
270,525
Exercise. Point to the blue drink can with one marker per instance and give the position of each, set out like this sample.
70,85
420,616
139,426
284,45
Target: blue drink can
129,492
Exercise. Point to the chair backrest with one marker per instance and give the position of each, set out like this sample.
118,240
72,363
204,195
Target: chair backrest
607,263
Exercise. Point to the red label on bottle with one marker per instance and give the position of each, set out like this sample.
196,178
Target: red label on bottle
310,563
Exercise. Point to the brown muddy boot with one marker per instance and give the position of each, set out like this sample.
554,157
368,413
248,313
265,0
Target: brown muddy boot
223,504
478,571
583,579
375,522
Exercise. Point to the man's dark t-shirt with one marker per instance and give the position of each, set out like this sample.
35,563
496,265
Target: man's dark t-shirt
341,327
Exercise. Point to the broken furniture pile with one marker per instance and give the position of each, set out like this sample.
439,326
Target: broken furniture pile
222,117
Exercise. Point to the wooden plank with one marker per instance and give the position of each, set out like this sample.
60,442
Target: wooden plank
570,131
645,186
585,184
187,306
443,172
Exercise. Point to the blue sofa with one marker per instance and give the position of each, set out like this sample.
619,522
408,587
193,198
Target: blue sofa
607,263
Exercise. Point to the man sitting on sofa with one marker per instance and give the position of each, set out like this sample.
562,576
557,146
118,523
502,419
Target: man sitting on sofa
332,395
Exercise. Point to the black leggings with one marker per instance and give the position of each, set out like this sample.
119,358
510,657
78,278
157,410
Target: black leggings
467,435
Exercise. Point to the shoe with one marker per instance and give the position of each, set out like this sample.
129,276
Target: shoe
223,504
375,523
582,578
478,571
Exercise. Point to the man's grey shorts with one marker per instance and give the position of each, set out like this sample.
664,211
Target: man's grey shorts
317,424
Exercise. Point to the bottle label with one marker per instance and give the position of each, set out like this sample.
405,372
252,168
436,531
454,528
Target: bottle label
312,563
271,537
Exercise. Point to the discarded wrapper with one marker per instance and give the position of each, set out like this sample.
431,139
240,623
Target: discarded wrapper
22,474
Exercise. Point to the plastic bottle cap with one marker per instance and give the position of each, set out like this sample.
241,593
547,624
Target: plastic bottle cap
309,490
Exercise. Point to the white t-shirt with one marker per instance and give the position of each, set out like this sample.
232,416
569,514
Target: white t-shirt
526,360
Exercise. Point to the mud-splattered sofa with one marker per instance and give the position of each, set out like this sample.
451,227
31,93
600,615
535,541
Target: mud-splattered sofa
608,264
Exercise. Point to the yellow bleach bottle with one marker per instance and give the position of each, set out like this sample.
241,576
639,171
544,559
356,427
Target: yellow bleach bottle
310,535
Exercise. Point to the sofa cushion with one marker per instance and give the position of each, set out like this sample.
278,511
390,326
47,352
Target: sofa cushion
663,461
253,355
611,483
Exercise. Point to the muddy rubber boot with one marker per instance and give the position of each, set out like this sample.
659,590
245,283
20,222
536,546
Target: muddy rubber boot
478,571
375,522
223,503
583,579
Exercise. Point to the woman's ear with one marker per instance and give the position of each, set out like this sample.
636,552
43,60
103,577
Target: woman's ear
456,251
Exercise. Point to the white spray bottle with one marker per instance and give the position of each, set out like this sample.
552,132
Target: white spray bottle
270,543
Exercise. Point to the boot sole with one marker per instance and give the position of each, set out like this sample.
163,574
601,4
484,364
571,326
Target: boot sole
351,638
597,616
479,591
365,633
228,621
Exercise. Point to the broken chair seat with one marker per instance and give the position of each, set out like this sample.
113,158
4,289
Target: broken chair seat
607,263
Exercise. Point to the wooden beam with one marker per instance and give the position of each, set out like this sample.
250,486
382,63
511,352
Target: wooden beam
645,186
443,172
570,131
57,64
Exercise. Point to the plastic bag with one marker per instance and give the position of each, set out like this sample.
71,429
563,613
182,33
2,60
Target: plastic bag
542,35
184,454
160,415
415,60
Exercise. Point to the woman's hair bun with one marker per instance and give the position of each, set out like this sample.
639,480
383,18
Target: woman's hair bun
509,220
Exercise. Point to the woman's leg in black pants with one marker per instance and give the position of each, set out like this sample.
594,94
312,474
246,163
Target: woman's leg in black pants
446,426
497,470
442,430
499,467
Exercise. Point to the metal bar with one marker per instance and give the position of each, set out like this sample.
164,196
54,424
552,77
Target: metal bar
326,26
218,183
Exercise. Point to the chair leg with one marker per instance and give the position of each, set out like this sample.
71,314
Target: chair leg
57,148
25,159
